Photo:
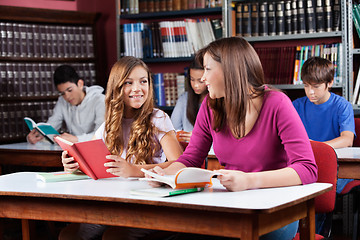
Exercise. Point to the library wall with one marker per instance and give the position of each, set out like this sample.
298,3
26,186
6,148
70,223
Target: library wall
105,35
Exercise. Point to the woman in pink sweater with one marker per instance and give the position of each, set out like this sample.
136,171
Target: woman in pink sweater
256,133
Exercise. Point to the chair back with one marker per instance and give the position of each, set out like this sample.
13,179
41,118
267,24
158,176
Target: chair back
356,142
326,160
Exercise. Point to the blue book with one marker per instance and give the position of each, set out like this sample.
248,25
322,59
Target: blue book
45,129
159,89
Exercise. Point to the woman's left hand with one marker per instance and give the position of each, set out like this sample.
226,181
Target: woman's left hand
120,167
233,180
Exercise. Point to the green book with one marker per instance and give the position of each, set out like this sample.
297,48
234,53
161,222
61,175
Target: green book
45,129
356,18
60,176
164,191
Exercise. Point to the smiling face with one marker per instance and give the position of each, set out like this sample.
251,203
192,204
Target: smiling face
317,93
136,90
213,77
197,84
71,92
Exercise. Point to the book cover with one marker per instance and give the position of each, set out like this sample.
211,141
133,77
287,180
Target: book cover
189,177
45,129
163,191
91,156
60,176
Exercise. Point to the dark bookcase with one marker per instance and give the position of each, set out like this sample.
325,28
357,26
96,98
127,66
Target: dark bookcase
33,42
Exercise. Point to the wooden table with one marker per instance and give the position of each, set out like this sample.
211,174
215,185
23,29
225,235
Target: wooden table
349,162
41,154
245,215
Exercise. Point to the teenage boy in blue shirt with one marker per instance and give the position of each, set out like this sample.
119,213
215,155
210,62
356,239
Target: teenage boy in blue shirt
327,117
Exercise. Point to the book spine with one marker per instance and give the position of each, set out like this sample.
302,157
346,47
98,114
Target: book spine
271,19
246,20
336,15
159,89
294,17
280,17
310,16
239,17
301,17
320,17
254,19
288,24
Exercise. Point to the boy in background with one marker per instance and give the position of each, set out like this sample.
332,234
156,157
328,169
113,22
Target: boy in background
81,108
327,117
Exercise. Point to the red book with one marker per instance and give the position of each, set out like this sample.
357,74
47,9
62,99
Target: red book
91,156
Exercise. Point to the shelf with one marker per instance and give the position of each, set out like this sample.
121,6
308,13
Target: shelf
182,13
45,60
29,99
165,60
294,36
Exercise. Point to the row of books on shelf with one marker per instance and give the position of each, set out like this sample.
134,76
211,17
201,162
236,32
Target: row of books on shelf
12,124
36,79
282,65
143,6
332,52
270,18
168,87
50,41
169,39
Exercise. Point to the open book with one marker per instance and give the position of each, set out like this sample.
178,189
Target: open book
190,177
45,129
91,156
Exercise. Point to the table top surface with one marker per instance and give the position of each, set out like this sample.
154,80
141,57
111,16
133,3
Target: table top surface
348,153
118,190
42,146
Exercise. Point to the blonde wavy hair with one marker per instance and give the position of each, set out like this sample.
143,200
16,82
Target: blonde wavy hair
142,144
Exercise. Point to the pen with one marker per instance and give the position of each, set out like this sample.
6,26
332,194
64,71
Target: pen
188,190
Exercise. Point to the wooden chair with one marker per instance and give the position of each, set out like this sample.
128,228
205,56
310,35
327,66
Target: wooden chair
326,160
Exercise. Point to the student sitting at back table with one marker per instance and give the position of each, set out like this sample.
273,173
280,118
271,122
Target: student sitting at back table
327,117
187,106
81,108
137,134
256,133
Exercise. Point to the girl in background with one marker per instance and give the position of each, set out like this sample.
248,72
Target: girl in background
187,106
136,134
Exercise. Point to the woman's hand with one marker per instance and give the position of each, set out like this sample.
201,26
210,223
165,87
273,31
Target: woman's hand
68,162
159,171
183,136
233,180
120,167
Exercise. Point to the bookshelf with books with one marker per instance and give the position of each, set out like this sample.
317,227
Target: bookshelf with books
167,38
287,32
33,42
354,53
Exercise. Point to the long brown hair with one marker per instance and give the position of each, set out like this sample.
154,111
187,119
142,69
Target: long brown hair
142,141
193,98
244,80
